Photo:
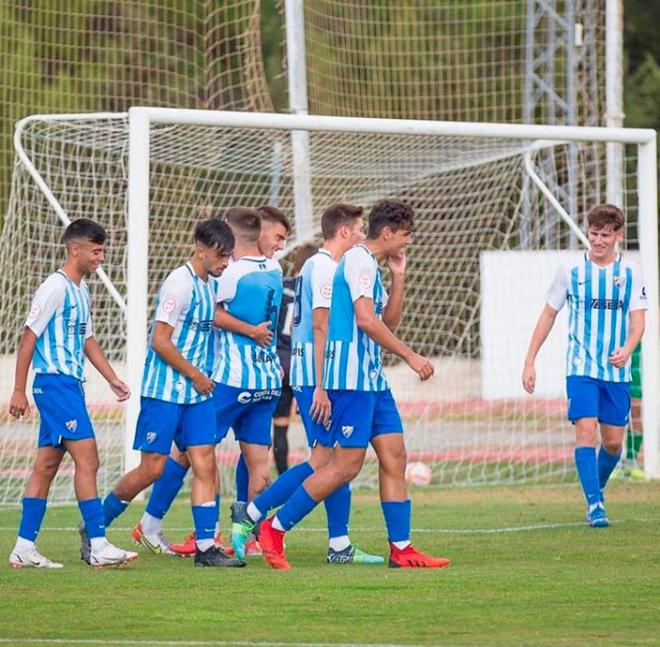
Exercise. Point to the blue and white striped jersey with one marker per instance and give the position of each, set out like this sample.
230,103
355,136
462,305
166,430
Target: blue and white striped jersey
60,317
251,290
600,300
313,290
187,303
352,359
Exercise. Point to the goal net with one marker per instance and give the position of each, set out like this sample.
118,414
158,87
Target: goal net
486,244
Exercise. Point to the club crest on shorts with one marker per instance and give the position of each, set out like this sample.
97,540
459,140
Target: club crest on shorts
347,430
151,436
71,425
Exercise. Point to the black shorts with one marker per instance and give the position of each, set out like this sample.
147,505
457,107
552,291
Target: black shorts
283,409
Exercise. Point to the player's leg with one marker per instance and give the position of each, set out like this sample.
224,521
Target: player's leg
281,419
387,441
33,510
634,438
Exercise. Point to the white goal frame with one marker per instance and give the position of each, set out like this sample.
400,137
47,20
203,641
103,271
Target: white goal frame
299,125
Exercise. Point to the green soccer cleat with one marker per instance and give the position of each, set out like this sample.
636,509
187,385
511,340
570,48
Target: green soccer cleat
240,535
634,472
352,555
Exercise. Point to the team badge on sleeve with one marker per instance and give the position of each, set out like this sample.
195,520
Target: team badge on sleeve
365,279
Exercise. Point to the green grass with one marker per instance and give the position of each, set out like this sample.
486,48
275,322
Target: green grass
562,585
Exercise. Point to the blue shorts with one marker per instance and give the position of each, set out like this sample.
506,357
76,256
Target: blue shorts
316,433
60,400
360,416
592,398
160,423
248,412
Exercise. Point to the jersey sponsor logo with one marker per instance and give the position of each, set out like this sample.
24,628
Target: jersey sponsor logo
347,430
365,279
298,352
169,305
71,425
606,304
37,390
205,325
244,397
151,436
261,356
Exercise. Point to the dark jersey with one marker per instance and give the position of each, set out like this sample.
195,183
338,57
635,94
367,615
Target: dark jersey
285,323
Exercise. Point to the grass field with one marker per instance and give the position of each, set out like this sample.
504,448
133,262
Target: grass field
525,571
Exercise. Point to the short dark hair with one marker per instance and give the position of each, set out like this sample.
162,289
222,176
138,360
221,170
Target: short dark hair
85,229
245,222
273,214
604,215
303,252
389,213
216,234
337,215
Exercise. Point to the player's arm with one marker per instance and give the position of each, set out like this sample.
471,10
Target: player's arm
370,324
161,342
261,334
18,403
100,362
541,331
321,407
393,311
637,323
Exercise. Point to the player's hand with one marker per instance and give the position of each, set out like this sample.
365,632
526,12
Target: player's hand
397,264
529,378
120,389
321,407
202,383
421,366
18,404
619,357
262,334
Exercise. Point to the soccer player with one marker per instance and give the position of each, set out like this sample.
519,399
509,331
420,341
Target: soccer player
58,335
362,319
282,415
273,232
177,403
606,300
342,227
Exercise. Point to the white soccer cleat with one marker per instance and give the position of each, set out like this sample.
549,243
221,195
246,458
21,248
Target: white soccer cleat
31,559
109,555
157,543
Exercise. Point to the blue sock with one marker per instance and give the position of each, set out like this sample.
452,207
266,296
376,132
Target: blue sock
397,519
606,464
112,508
166,488
93,517
204,516
242,480
587,469
338,511
283,488
34,510
296,508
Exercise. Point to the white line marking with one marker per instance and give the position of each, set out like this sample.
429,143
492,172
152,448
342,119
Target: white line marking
219,643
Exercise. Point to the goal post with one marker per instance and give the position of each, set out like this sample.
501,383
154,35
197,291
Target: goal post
148,175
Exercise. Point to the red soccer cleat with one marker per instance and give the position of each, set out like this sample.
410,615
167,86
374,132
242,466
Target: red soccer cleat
410,557
272,546
188,547
252,548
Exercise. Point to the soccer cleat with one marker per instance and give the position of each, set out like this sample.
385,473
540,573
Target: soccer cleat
253,548
31,559
216,557
188,547
240,537
109,555
410,557
597,517
272,546
156,543
634,472
352,555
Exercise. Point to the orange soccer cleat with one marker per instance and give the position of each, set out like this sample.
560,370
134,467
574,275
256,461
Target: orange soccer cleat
188,547
410,557
272,546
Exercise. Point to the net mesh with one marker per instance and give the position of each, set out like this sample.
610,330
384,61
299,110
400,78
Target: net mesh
470,198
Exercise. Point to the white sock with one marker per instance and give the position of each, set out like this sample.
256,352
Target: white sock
253,512
23,545
150,524
339,543
216,532
277,525
401,544
97,543
204,544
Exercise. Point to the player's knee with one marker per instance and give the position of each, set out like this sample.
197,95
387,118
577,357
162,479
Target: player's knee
613,448
46,470
88,465
151,469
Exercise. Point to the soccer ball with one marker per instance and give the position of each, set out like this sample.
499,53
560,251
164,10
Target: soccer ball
418,473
